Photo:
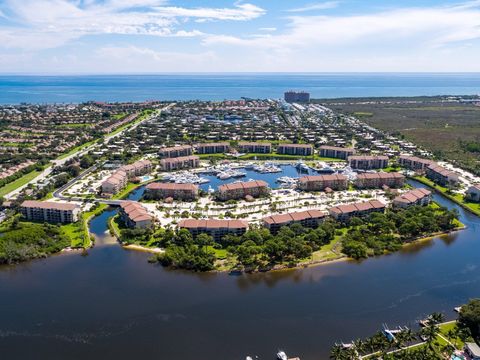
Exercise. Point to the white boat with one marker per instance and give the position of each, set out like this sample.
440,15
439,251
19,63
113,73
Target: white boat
281,355
224,175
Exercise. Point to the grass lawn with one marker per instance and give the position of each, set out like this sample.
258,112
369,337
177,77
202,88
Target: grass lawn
327,251
220,254
19,182
444,329
129,188
76,233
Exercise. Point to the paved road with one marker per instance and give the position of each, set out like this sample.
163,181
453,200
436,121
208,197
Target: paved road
58,162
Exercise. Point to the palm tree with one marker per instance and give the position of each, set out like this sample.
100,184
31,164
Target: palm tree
430,333
436,318
337,352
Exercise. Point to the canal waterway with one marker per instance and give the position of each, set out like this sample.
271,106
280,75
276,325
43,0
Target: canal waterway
114,304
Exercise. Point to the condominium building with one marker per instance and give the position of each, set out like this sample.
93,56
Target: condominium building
240,190
213,148
414,163
175,151
49,211
295,149
336,152
379,180
215,228
135,215
296,96
367,162
119,179
138,168
473,193
343,213
184,162
309,218
158,190
115,182
321,182
414,197
442,176
254,147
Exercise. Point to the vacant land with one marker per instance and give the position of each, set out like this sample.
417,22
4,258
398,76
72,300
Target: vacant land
448,128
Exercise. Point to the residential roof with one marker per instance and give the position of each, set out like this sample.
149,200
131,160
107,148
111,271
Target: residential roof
212,224
294,216
179,159
135,211
473,348
367,157
441,170
242,185
171,186
296,145
412,196
380,175
49,205
329,177
175,148
362,206
337,148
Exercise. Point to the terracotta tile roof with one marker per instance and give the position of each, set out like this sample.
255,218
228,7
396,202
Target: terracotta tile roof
171,186
294,216
242,185
49,205
212,224
363,206
367,157
332,177
412,196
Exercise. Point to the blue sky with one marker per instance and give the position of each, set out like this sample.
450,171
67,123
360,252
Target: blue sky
157,36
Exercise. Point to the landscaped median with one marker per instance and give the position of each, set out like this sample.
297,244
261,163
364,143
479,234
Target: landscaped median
457,198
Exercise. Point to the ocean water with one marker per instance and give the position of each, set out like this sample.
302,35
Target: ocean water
16,89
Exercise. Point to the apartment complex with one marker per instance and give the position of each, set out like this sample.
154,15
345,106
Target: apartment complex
336,152
309,218
343,213
119,179
184,162
213,148
367,162
442,176
175,151
138,168
414,197
322,182
215,228
115,182
414,163
295,149
240,190
49,211
296,96
254,147
135,215
158,191
379,180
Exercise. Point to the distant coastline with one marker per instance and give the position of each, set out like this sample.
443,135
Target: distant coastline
77,88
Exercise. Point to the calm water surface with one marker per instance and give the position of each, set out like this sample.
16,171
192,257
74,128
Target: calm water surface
113,304
48,89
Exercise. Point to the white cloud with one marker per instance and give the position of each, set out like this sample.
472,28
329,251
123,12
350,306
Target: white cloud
268,29
317,6
416,26
58,21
